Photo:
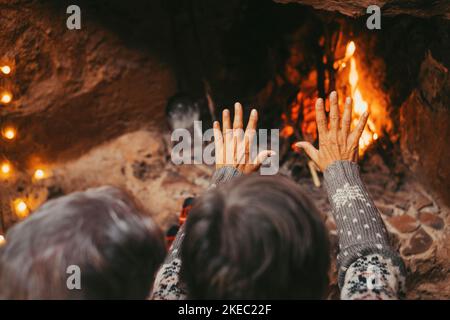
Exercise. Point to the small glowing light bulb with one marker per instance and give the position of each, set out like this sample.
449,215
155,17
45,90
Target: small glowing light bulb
39,174
6,98
5,168
6,69
2,240
9,133
375,136
21,208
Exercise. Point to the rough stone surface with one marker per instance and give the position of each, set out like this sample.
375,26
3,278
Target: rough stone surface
161,187
419,243
422,202
404,223
356,8
424,128
387,211
91,85
431,220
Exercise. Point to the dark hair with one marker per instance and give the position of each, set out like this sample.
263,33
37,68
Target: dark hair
256,238
101,231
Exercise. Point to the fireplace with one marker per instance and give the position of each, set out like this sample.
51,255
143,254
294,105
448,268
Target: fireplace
84,108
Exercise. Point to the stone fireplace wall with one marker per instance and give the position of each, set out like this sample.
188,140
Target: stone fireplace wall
89,105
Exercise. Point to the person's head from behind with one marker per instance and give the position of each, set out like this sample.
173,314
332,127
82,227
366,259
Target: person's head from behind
100,231
256,238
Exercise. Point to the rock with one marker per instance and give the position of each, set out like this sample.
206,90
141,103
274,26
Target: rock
404,223
389,196
420,242
422,117
376,191
87,87
404,205
412,212
433,209
395,241
402,201
433,82
422,202
144,171
431,220
357,8
173,177
387,211
378,165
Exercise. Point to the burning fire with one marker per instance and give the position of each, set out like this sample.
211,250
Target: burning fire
299,117
359,104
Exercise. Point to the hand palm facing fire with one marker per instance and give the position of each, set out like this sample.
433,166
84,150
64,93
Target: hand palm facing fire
234,146
336,141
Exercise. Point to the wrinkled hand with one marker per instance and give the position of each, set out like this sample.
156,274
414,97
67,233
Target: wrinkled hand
234,146
337,142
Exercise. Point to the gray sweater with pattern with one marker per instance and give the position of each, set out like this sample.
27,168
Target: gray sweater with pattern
369,268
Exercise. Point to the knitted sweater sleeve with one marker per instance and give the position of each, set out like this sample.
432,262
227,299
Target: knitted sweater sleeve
369,268
168,285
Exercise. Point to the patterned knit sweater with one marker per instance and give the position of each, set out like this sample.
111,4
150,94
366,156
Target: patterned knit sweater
369,268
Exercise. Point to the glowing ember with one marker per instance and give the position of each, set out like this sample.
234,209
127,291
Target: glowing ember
287,131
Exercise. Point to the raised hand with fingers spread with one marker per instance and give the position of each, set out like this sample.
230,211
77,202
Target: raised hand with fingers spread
368,266
234,147
336,141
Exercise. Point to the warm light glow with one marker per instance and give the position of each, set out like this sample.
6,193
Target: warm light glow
6,98
350,50
39,174
2,240
9,133
287,131
359,104
353,76
6,69
21,208
5,168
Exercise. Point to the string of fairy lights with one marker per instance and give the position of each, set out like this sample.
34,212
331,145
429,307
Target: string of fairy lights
9,134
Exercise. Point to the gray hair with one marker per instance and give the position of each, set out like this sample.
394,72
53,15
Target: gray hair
102,230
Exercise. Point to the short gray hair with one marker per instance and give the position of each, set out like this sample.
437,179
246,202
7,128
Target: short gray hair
103,231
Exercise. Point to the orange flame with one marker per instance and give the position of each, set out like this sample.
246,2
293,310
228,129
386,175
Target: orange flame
359,104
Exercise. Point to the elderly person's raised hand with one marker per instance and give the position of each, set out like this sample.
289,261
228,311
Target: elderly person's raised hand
336,141
235,147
